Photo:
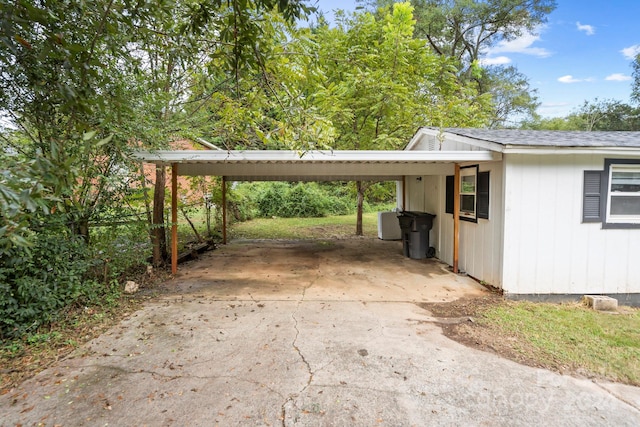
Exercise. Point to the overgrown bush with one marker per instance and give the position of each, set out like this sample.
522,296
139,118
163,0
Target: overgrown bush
305,200
36,282
270,198
240,202
118,248
302,199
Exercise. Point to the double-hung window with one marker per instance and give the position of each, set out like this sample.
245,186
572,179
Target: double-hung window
468,185
623,199
474,194
612,196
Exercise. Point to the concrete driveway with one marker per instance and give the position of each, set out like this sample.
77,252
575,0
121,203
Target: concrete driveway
323,333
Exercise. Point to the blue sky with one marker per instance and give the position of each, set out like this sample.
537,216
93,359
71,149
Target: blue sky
583,52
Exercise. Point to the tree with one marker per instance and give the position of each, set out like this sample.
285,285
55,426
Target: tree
512,97
377,84
635,88
265,104
65,86
463,29
82,81
608,114
466,29
596,115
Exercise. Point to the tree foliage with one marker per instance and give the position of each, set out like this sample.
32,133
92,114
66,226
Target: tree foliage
596,115
464,30
66,83
82,84
266,107
377,84
635,88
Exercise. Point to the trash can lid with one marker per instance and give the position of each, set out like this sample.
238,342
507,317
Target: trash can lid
416,214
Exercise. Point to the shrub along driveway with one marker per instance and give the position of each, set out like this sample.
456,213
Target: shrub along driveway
303,333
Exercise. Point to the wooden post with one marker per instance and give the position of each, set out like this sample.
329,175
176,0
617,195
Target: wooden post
456,217
404,192
174,218
224,210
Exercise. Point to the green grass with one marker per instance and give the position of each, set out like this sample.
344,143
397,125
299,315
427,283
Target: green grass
573,336
305,228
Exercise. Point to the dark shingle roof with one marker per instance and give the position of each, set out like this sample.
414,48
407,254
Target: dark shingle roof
544,138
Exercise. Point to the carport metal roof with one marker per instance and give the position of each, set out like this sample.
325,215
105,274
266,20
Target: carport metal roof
338,165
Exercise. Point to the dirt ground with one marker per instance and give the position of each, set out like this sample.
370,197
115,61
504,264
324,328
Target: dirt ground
475,335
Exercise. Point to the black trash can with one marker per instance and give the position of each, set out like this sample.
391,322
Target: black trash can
415,228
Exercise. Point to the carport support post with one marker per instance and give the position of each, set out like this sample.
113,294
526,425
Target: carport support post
456,217
174,218
224,210
404,191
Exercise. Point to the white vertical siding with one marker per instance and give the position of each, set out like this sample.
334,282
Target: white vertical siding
432,202
480,253
547,248
421,196
430,143
415,193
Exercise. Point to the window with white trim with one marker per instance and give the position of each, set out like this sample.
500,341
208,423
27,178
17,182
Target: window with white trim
468,188
474,203
612,196
623,198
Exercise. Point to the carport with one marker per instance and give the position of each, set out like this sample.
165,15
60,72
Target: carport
330,165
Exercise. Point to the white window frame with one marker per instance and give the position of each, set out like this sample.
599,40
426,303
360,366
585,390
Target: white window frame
466,171
621,219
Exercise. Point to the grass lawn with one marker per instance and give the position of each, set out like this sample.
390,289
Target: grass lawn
571,337
305,228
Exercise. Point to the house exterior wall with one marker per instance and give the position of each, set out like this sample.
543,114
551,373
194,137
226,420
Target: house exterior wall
422,195
480,253
547,248
480,250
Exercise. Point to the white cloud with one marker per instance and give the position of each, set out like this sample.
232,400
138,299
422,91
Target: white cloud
631,52
558,109
588,29
522,44
497,60
570,79
618,77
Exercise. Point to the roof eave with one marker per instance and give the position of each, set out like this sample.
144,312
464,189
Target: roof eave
554,150
289,157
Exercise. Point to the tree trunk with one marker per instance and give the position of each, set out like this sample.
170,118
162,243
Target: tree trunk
80,227
360,190
158,231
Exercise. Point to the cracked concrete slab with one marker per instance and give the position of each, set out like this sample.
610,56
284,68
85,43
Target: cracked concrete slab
303,334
